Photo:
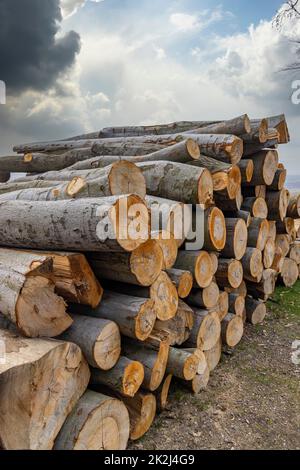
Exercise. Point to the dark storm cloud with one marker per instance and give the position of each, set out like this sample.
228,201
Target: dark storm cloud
31,56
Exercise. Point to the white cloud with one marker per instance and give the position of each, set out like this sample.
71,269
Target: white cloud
69,7
185,22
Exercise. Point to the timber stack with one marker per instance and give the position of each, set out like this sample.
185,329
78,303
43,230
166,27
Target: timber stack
107,296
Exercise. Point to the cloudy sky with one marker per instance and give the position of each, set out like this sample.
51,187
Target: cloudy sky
72,66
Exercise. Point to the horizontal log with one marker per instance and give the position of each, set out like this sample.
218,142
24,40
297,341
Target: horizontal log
280,124
168,245
257,207
256,311
74,225
232,330
97,422
199,263
289,273
176,330
266,287
253,265
205,332
229,205
199,383
283,242
277,202
265,167
162,393
279,180
223,305
213,355
237,304
236,239
182,364
142,410
293,209
258,233
214,229
204,298
247,170
269,253
294,253
40,375
230,273
244,215
183,281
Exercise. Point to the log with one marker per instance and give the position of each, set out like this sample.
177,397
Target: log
199,263
166,180
278,260
74,279
289,273
176,330
265,167
226,178
255,191
199,383
97,423
256,206
258,233
293,209
283,242
162,393
265,288
232,330
279,180
27,296
236,126
126,377
237,304
256,311
241,290
279,123
213,355
182,364
153,358
201,358
223,305
183,280
4,176
168,246
80,225
253,148
214,229
230,273
244,215
174,217
252,264
258,133
247,170
41,381
142,411
206,330
229,205
294,253
134,316
215,261
236,239
162,292
15,186
277,202
204,298
141,267
272,230
99,340
269,253
183,152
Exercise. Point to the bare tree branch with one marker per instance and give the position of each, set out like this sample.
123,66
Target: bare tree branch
290,9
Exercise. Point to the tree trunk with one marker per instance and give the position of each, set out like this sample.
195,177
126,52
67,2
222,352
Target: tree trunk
236,239
182,364
277,202
237,304
205,298
97,423
199,263
41,381
205,332
256,206
183,280
223,305
214,229
247,170
253,265
162,393
15,186
258,233
74,225
141,267
254,148
154,360
135,316
230,273
232,330
27,295
289,273
265,167
142,410
166,180
99,340
279,180
177,330
256,311
269,254
213,356
125,377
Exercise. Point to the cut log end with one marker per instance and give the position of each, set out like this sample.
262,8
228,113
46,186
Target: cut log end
204,269
235,274
165,296
234,181
216,228
240,239
107,348
185,285
75,186
168,246
255,311
133,378
145,320
232,330
205,188
126,178
146,262
141,416
209,331
213,355
193,149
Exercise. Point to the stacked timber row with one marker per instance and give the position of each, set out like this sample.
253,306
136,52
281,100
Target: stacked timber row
107,292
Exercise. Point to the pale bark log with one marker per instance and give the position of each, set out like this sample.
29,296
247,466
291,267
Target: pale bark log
126,377
294,253
230,205
99,340
223,305
142,410
97,423
182,364
40,384
199,383
134,316
283,242
213,355
73,225
269,253
168,246
205,332
14,186
177,330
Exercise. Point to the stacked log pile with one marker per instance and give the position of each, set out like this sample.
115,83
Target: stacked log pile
105,300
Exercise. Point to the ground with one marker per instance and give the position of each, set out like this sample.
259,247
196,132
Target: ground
253,398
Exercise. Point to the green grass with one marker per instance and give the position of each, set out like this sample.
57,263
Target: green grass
286,301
